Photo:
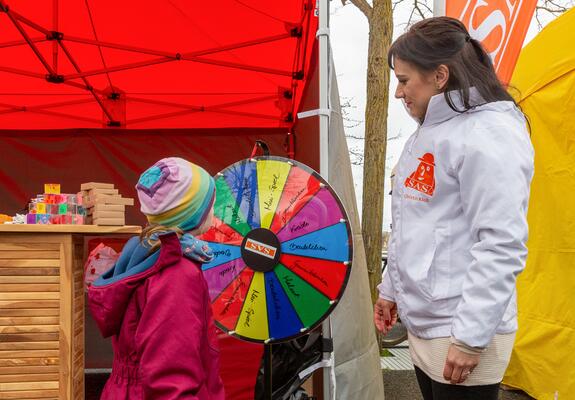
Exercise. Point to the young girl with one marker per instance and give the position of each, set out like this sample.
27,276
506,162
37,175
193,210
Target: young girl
459,213
154,302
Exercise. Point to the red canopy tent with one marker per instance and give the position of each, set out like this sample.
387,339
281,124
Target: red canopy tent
114,85
99,90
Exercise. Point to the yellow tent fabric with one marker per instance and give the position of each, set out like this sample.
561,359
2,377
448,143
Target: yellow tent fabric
543,360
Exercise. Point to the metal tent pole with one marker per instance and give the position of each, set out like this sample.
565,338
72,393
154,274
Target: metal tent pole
324,59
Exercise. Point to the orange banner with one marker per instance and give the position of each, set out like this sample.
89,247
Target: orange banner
501,25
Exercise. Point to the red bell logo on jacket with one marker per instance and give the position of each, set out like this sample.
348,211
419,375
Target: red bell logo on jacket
423,178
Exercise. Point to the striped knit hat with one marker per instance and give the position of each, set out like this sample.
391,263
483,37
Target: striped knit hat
176,193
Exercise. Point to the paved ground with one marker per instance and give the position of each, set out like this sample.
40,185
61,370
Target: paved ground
402,385
399,385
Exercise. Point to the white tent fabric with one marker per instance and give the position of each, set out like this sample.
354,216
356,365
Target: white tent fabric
357,359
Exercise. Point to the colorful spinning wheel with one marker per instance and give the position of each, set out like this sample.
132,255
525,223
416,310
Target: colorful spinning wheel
282,246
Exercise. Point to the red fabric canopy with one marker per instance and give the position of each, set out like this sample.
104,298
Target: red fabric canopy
161,64
98,90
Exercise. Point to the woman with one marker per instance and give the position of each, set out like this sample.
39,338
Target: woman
459,213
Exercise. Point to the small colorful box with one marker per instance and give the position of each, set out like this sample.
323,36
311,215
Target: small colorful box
43,219
62,208
52,188
40,208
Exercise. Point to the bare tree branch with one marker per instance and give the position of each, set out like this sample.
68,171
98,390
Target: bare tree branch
395,4
363,5
417,7
356,156
349,122
550,8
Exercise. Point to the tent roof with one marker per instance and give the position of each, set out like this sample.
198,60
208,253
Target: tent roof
549,45
160,64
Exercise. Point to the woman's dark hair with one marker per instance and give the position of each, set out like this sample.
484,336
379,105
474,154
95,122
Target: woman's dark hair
444,40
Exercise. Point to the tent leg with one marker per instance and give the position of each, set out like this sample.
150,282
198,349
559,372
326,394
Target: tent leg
268,388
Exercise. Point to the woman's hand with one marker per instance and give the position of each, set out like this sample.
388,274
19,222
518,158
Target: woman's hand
459,365
384,315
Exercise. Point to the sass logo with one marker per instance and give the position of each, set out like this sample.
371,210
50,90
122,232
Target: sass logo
500,25
423,178
261,248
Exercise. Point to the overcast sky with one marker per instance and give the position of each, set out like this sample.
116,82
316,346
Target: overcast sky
349,39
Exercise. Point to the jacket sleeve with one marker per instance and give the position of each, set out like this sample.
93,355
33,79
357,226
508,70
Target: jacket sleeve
386,287
494,175
169,335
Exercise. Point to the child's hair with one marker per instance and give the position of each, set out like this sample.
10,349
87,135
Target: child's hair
150,234
175,195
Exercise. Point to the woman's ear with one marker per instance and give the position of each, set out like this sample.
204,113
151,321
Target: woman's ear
441,77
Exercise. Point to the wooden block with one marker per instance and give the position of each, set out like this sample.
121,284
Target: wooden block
93,192
92,197
96,185
111,199
106,208
108,214
109,221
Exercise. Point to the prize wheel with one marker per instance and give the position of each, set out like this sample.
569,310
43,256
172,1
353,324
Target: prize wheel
282,248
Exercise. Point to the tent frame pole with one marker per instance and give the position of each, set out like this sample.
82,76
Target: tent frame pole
324,59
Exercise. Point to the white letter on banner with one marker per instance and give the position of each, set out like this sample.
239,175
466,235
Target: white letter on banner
489,24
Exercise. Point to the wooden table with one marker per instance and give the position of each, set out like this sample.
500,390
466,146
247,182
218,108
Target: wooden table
42,309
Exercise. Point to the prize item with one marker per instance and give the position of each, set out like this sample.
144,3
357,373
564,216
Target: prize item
55,208
104,204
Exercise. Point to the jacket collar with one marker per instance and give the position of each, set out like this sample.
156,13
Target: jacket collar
439,111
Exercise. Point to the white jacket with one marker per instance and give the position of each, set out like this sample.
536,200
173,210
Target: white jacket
459,224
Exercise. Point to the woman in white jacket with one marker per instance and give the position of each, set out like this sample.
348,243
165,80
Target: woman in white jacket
459,213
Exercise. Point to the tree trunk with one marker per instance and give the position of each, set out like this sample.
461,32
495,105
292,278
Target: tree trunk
380,35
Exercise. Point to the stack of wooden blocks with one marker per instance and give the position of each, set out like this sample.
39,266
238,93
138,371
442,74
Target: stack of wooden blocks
104,205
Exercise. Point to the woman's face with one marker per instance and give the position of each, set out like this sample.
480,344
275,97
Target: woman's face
415,88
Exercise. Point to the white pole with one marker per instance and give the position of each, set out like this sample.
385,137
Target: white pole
439,8
324,59
324,88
